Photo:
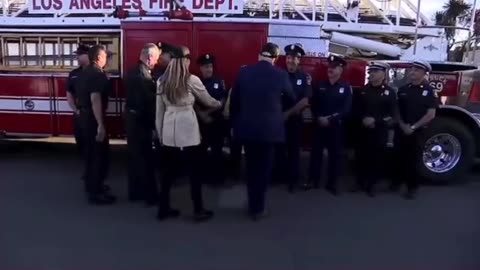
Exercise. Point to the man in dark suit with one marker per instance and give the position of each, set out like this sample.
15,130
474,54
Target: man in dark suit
258,120
140,89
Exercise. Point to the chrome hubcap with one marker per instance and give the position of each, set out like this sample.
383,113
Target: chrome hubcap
441,153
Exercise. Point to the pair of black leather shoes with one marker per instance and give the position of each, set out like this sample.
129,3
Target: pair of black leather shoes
101,199
198,216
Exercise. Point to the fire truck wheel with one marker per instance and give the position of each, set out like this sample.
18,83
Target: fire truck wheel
448,152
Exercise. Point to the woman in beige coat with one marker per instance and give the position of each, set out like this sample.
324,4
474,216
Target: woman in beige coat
178,131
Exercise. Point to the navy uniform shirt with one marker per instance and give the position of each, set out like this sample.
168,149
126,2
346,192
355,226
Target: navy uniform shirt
378,102
216,89
72,78
300,87
332,101
414,101
92,80
256,103
140,91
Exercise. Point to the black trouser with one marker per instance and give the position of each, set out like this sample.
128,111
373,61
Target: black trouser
406,155
77,133
287,155
213,137
330,138
235,157
371,156
190,158
141,176
96,154
259,158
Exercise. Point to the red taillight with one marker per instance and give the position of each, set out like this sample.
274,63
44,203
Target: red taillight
475,93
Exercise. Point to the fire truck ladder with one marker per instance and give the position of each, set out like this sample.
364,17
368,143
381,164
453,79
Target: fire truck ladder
392,22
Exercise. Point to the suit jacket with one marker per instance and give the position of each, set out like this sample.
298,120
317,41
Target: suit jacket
256,103
140,90
177,124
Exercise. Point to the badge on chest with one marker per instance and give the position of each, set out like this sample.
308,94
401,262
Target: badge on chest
424,93
341,90
215,86
386,93
299,82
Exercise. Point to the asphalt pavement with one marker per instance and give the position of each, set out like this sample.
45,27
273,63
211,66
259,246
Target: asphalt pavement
45,223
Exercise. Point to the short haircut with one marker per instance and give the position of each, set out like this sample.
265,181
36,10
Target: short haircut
148,50
95,51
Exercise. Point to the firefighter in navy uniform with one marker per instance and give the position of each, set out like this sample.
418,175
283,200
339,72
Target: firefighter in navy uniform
288,154
212,123
417,103
82,58
330,105
140,89
258,121
376,112
93,89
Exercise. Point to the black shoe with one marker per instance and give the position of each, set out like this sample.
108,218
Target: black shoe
105,188
101,199
371,193
170,213
356,188
291,189
203,215
332,190
394,188
410,195
309,186
259,216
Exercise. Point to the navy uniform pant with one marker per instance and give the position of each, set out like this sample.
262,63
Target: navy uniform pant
330,138
141,177
259,160
77,133
213,137
406,156
371,156
287,156
96,154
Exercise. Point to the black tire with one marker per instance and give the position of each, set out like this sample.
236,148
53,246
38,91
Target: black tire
467,143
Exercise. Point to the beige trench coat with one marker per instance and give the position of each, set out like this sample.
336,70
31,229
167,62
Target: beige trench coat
177,124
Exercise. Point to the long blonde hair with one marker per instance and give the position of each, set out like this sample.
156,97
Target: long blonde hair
174,82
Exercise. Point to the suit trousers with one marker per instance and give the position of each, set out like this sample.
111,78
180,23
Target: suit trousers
96,154
188,158
142,184
259,160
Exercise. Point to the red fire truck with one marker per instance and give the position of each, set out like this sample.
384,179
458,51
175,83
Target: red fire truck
38,38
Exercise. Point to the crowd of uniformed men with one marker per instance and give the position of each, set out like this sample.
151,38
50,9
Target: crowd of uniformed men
185,116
